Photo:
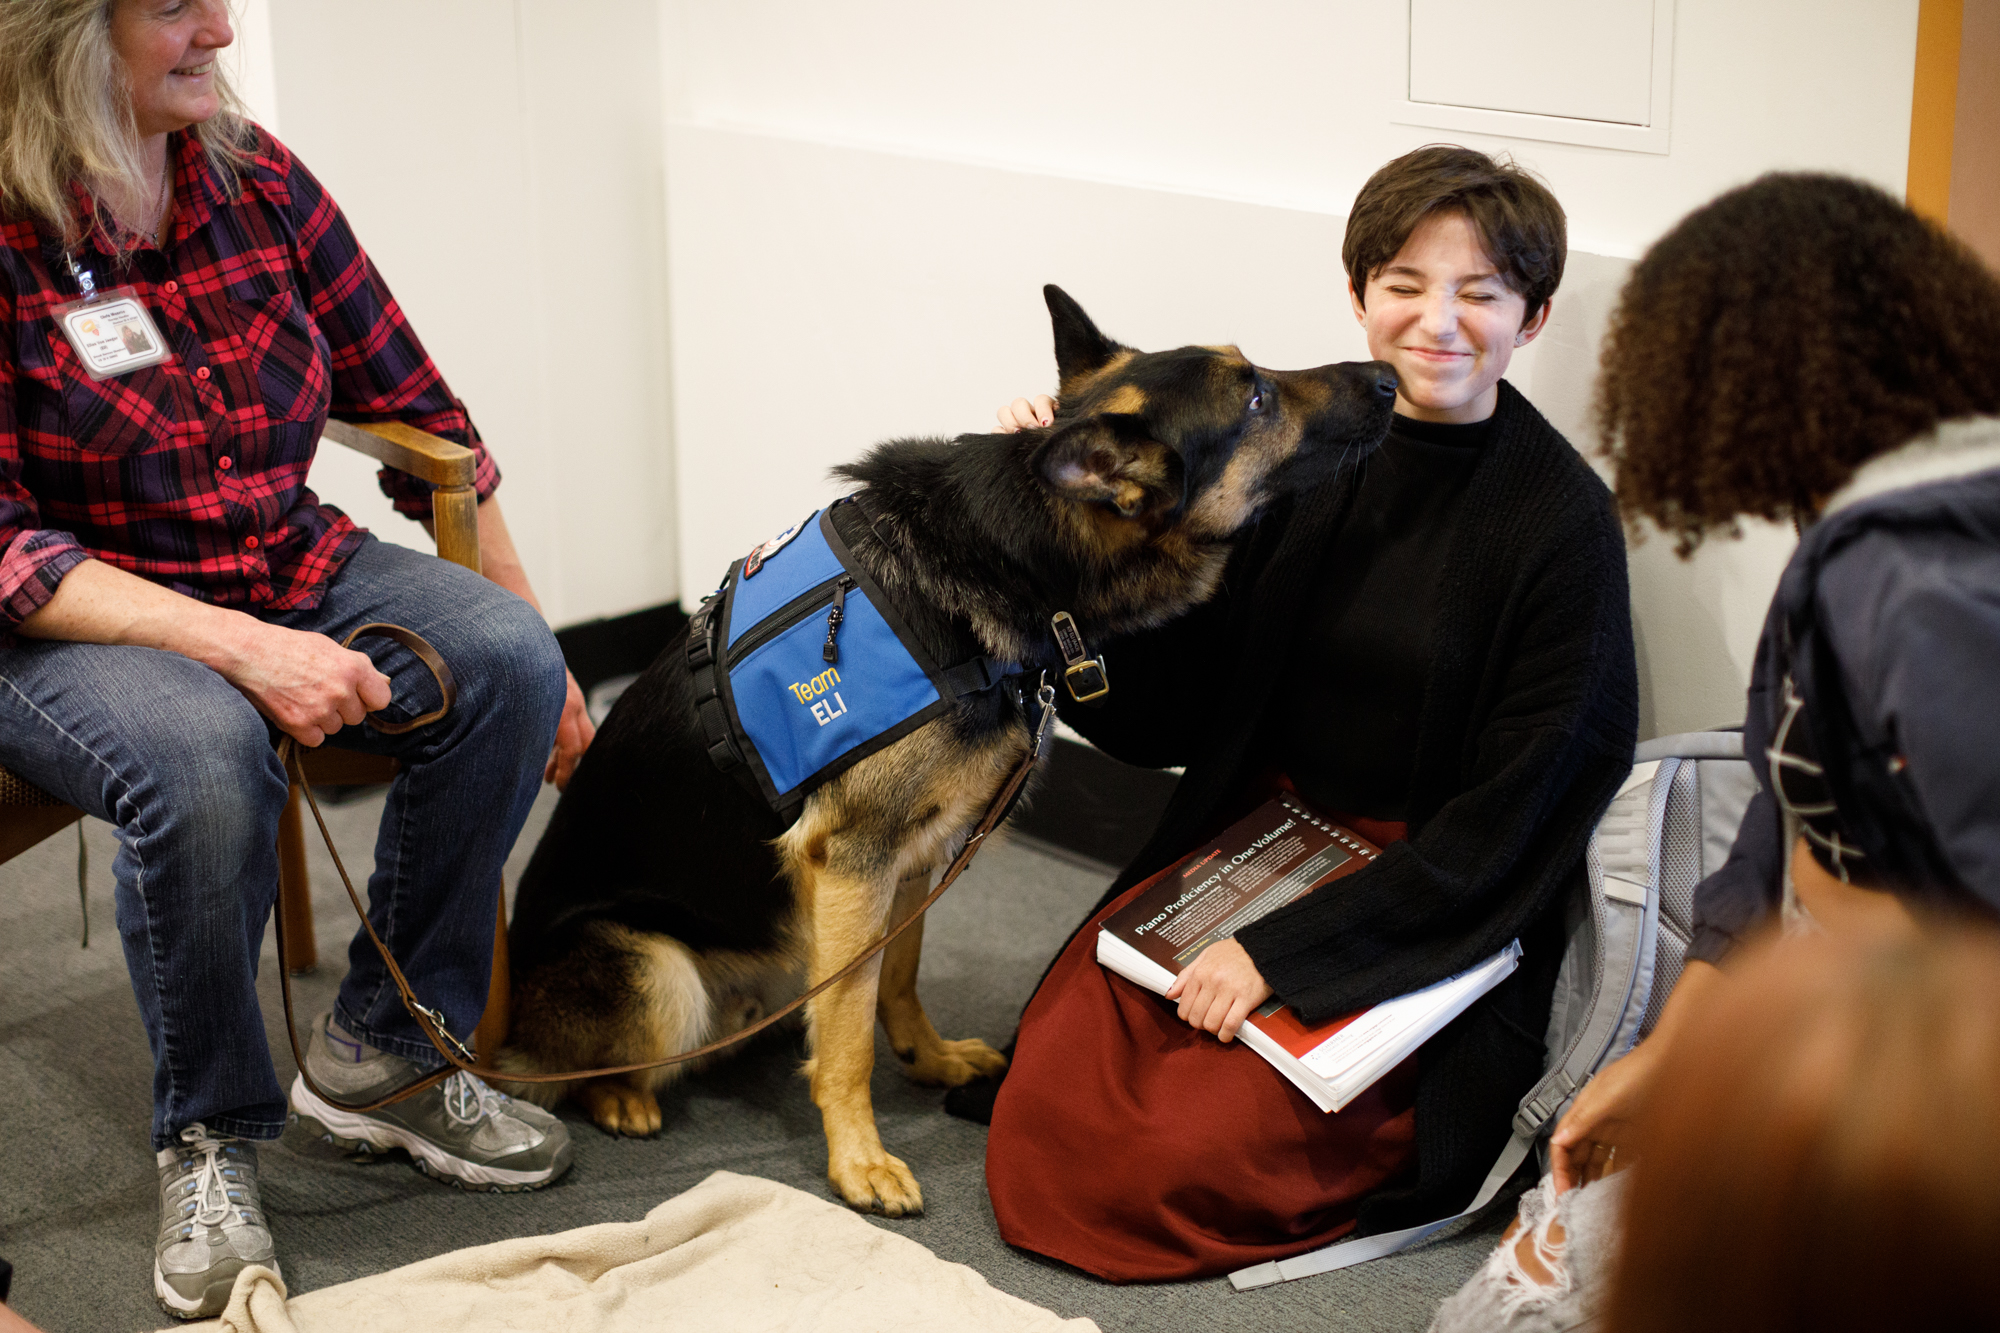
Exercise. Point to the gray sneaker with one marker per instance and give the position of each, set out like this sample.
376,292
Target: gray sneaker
211,1223
459,1131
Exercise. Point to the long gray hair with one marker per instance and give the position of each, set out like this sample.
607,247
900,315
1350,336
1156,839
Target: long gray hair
66,118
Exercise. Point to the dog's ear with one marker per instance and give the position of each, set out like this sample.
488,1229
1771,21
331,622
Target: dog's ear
1080,349
1110,459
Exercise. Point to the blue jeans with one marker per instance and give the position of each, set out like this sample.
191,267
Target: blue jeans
170,753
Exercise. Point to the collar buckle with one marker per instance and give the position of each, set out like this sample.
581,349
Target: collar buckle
1085,677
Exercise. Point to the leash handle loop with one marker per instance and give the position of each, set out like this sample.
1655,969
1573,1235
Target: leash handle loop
416,643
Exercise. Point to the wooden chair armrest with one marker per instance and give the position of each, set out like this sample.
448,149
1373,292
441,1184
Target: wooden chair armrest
423,455
448,467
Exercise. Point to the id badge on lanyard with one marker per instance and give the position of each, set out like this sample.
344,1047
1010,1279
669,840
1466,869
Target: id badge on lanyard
111,331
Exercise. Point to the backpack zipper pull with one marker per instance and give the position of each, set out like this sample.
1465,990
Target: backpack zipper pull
831,652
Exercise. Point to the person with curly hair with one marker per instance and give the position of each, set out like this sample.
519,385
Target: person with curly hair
1801,349
1805,348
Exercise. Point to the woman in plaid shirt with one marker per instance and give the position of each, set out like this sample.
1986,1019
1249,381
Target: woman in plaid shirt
171,596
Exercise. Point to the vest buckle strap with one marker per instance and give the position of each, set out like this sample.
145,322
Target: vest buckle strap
974,676
1085,676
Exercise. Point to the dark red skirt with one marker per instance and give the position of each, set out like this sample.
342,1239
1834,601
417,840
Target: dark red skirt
1139,1148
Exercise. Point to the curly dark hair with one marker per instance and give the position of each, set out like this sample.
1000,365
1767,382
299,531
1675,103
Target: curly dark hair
1518,219
1779,337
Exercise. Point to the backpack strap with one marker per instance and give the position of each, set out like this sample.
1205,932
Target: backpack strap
1347,1253
1622,864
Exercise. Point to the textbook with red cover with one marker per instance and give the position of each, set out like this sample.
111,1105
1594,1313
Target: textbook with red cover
1278,853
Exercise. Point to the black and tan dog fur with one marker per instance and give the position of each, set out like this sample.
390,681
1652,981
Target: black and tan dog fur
666,906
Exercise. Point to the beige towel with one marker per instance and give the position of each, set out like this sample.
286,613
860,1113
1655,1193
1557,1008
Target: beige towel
734,1252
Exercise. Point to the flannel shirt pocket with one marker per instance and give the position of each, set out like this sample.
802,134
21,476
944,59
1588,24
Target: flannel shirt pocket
120,415
280,364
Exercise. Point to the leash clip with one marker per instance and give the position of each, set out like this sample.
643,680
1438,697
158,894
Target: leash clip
436,1020
1045,695
1085,677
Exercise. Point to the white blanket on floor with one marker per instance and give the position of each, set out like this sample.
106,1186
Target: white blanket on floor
734,1252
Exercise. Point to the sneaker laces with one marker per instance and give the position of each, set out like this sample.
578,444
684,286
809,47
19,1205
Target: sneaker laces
211,1191
468,1100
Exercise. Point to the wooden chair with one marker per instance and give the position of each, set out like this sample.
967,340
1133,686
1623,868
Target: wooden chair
28,815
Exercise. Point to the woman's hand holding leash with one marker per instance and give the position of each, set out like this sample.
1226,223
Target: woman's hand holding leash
1220,989
307,684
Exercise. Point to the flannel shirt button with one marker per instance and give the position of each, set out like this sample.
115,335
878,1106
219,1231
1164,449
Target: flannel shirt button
202,373
172,287
250,543
224,463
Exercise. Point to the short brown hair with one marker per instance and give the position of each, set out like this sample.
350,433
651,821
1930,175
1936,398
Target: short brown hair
1526,234
1823,1150
1779,337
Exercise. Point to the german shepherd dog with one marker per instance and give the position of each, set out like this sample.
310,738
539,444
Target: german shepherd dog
667,906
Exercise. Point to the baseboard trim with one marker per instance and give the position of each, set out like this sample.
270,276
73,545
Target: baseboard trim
597,650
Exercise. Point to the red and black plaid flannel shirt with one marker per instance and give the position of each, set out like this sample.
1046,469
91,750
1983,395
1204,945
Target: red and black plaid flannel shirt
192,473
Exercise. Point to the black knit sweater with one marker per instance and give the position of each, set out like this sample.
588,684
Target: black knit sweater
1526,731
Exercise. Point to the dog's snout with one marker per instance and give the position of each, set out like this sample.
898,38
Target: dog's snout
1384,379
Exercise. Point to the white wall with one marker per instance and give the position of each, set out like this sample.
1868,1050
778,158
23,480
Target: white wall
252,64
863,202
1283,102
502,164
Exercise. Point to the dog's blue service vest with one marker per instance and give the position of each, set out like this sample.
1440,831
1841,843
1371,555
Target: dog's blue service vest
802,667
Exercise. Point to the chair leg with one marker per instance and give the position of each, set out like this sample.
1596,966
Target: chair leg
498,1018
295,891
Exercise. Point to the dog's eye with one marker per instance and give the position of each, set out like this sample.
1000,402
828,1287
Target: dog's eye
1257,401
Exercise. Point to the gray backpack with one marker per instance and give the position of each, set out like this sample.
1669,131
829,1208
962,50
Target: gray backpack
1671,823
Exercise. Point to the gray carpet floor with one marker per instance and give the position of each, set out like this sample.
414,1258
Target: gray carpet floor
78,1214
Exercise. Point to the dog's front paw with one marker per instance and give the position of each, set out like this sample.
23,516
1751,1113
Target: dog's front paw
880,1184
950,1064
620,1108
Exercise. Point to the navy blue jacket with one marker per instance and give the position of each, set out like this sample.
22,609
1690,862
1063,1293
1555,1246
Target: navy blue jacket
1888,617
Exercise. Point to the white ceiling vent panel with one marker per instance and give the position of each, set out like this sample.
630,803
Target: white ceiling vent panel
1597,72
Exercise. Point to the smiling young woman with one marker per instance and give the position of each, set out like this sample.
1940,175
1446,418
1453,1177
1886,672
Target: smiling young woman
1436,649
1447,319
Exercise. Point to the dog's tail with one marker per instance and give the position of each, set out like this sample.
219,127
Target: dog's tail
626,997
516,1060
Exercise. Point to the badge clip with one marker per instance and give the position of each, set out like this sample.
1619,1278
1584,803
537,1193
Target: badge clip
110,331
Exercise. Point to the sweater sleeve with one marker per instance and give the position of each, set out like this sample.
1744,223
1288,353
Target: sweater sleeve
1545,761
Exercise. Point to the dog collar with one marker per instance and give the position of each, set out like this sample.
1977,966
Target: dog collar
1084,677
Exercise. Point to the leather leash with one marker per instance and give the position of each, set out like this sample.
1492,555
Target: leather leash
431,1023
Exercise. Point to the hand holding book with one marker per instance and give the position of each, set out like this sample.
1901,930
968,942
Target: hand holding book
1219,989
1165,938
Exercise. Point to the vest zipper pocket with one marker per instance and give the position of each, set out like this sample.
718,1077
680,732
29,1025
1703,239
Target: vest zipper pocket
831,651
786,616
